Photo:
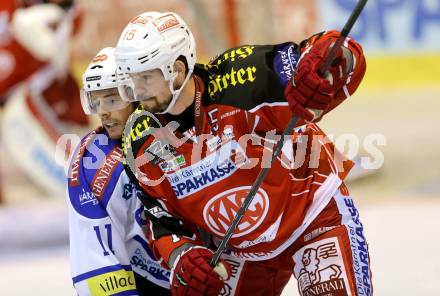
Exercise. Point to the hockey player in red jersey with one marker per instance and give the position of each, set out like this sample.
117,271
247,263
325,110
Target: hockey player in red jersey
302,220
37,90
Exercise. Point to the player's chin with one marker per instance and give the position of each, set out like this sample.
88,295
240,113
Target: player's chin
152,105
115,133
156,109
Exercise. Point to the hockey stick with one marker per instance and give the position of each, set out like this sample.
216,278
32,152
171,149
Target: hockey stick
287,132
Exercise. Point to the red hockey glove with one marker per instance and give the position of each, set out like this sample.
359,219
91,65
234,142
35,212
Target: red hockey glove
308,90
193,276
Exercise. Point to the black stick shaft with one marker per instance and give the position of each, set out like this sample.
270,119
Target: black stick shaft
286,133
250,196
344,33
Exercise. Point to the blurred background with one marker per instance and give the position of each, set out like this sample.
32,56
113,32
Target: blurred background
397,106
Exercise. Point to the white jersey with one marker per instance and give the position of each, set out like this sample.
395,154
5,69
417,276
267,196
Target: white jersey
107,243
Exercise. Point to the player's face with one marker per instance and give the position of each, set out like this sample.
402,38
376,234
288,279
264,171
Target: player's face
151,90
113,121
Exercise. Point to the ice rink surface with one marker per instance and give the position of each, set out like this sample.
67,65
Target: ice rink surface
399,204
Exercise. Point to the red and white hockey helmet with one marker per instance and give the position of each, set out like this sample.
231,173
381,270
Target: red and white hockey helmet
153,41
101,75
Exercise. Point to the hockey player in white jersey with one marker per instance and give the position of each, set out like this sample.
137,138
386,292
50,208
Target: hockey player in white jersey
109,253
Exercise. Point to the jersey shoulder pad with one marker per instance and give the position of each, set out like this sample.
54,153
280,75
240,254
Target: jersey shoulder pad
137,131
246,75
94,173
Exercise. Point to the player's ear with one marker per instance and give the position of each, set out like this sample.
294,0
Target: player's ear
179,67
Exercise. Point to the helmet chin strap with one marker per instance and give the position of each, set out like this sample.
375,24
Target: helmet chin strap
176,93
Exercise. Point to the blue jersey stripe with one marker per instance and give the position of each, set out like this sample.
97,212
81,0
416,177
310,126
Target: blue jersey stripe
81,196
145,245
100,271
105,150
112,184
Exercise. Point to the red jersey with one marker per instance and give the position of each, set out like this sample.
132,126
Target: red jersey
60,94
239,102
17,63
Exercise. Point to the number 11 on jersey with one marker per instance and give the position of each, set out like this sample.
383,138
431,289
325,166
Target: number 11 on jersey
108,227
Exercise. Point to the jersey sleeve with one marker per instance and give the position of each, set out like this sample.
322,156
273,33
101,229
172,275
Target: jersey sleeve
254,78
166,231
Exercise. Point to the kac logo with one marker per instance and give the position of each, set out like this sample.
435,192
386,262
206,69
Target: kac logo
220,211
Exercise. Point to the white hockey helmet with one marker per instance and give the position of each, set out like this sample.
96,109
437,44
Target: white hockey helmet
101,75
150,41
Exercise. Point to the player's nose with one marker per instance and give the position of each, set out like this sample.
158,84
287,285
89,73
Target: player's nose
140,93
104,115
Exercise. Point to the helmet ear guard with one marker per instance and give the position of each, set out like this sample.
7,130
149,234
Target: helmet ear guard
155,40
